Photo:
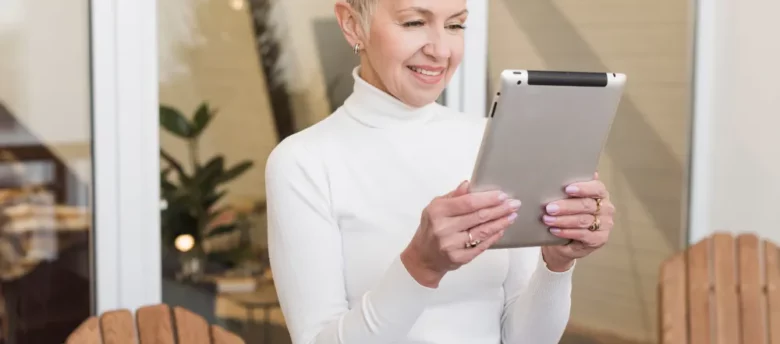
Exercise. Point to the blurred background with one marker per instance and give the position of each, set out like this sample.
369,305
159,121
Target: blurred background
226,80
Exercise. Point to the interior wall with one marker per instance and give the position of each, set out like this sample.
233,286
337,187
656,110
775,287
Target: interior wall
645,161
735,176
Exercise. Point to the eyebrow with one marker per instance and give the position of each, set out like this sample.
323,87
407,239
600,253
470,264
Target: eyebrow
428,12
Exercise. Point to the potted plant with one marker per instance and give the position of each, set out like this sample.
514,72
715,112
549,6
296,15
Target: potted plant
191,191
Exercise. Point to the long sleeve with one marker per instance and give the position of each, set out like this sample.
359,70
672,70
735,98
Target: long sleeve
538,301
305,251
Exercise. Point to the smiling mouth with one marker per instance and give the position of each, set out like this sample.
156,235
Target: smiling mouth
425,71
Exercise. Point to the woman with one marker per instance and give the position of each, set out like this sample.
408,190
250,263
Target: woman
370,243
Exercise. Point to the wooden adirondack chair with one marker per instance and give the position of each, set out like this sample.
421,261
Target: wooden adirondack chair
151,325
723,290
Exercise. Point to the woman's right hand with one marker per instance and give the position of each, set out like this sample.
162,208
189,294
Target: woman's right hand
441,242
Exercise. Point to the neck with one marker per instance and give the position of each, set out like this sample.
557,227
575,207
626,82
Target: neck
374,107
367,72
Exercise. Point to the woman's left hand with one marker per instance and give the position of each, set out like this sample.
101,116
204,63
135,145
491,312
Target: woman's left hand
585,217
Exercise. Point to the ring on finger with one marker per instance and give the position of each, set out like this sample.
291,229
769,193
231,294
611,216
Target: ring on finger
596,225
598,205
472,243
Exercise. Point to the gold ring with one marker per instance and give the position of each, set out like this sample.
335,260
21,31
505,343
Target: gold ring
472,243
596,224
598,205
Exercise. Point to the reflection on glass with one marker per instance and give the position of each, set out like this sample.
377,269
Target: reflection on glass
231,87
45,170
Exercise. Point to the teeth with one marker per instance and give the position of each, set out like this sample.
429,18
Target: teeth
425,72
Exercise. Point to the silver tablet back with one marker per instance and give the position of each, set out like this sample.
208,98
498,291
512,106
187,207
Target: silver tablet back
547,130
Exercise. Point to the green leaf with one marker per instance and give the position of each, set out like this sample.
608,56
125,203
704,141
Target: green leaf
223,229
202,118
206,175
234,172
174,164
174,122
167,187
212,199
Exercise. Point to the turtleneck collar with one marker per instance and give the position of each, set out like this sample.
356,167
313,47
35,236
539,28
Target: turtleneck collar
376,108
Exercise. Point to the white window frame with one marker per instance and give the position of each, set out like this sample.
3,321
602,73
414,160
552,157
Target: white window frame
126,232
705,62
467,90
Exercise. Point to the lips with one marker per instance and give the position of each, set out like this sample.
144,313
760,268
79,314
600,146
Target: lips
427,71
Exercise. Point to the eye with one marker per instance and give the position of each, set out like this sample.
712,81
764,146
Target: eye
457,27
414,23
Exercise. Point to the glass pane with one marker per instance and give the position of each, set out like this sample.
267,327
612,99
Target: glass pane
646,158
45,169
263,77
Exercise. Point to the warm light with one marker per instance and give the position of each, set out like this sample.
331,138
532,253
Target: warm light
184,242
237,4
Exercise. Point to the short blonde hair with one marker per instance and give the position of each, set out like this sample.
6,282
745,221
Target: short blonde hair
365,9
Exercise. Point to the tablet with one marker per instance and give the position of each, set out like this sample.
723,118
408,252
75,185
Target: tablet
546,130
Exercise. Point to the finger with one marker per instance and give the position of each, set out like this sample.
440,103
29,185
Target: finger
468,254
481,232
462,189
572,206
581,221
591,189
471,220
596,175
589,238
471,202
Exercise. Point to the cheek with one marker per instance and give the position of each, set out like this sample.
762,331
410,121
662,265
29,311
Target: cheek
400,47
456,48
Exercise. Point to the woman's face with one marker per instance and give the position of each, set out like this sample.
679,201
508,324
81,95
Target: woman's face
414,47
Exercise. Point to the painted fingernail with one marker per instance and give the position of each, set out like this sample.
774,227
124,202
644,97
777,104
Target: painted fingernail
552,208
572,189
548,219
502,196
514,204
512,217
555,230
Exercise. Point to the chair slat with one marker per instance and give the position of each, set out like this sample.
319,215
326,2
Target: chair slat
154,324
221,336
191,328
87,333
726,304
751,295
674,329
117,327
699,287
772,265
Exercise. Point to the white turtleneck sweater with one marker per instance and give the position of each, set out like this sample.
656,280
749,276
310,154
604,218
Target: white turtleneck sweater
344,199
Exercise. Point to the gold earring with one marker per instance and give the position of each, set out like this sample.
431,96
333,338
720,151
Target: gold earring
357,48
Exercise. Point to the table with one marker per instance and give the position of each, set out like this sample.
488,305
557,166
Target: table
263,297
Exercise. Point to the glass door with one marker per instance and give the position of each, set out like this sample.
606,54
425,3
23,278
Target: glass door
46,164
79,170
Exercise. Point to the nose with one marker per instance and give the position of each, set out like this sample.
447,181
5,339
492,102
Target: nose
437,46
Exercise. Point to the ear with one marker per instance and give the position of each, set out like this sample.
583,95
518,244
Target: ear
350,24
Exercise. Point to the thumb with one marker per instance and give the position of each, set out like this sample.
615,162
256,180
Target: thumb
596,175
